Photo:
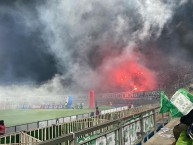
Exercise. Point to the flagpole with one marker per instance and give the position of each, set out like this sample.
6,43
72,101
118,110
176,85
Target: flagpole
163,119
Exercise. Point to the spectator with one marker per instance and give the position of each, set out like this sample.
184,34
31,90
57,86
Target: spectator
186,137
2,127
185,121
97,111
81,106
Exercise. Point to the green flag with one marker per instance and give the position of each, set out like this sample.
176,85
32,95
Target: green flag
165,103
181,102
167,106
174,112
179,105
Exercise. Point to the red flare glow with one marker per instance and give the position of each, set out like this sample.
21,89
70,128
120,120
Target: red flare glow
128,75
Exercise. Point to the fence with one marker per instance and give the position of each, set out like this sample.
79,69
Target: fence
45,123
129,127
143,119
142,98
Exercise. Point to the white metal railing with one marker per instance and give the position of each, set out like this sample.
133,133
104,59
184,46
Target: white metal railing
49,122
124,127
58,130
26,139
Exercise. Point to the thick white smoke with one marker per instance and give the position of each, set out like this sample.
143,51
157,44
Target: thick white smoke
78,26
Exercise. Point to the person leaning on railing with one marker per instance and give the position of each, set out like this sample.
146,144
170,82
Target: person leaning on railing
2,127
185,121
186,137
180,130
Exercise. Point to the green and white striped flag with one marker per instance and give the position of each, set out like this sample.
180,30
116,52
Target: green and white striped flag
179,105
182,102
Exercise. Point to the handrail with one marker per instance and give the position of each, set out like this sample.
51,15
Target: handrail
117,122
15,128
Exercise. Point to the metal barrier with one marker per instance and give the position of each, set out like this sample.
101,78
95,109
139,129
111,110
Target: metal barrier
58,130
124,127
89,127
45,123
19,138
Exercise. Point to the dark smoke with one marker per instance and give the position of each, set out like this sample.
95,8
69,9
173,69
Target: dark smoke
23,54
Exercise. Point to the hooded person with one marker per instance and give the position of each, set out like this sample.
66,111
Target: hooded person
2,127
97,111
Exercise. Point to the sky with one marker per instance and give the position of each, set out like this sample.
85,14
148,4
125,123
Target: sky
69,46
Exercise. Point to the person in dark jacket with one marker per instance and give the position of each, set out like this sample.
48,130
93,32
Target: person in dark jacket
186,137
97,111
185,122
2,127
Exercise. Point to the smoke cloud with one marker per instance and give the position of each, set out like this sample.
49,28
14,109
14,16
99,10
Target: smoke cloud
74,46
